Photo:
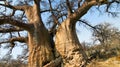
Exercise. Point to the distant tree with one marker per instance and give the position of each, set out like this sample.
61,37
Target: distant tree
45,51
105,33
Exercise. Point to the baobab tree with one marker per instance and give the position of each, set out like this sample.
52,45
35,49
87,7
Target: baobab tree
44,51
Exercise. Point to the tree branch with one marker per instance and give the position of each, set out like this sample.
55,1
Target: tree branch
55,19
79,1
54,63
37,1
2,30
86,6
42,11
4,42
19,39
12,40
16,7
37,5
87,24
69,7
83,10
8,20
94,28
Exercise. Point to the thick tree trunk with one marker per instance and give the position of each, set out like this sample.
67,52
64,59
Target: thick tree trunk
67,44
40,51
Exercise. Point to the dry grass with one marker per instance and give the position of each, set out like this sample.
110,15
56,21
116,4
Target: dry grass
111,62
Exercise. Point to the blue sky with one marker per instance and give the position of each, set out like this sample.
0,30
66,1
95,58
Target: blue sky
85,34
94,17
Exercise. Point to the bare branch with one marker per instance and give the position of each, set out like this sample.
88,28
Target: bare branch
12,40
86,6
37,5
12,14
83,10
69,7
87,24
114,14
36,1
54,63
4,42
42,11
54,18
19,39
2,30
79,1
16,7
8,20
93,28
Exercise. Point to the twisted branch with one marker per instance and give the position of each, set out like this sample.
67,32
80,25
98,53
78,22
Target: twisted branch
19,39
8,20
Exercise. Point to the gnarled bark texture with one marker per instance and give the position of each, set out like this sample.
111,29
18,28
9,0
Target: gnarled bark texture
67,44
66,41
40,51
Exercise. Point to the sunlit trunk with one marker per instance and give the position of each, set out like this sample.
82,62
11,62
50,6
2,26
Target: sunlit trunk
67,44
40,51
